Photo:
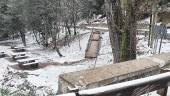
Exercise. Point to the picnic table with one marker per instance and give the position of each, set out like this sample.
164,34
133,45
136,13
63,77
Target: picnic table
18,49
17,56
28,63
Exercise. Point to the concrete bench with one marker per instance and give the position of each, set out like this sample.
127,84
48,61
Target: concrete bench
19,54
19,57
20,50
28,63
29,60
16,56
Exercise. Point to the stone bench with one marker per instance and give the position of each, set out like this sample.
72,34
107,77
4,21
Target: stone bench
28,63
17,56
18,49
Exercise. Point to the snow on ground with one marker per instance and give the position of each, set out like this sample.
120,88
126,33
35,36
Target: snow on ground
144,50
72,53
142,47
48,76
168,31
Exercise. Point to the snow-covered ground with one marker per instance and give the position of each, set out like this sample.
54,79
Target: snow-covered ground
73,59
48,76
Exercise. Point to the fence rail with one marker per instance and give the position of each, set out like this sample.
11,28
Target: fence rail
130,88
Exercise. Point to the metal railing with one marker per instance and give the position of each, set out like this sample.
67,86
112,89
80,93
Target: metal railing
130,88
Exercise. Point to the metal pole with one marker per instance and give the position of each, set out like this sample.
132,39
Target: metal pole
124,85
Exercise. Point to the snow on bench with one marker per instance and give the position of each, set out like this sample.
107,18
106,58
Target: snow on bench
15,47
16,56
19,57
29,60
32,63
18,49
28,63
19,54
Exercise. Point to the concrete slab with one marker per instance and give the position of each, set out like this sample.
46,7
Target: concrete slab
93,50
93,45
95,37
162,59
109,74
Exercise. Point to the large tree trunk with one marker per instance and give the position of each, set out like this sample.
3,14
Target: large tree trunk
132,17
122,28
114,18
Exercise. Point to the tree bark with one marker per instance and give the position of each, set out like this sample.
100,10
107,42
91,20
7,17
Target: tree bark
122,29
22,34
114,22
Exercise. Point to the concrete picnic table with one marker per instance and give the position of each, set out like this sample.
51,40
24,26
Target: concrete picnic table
28,63
18,49
20,55
29,60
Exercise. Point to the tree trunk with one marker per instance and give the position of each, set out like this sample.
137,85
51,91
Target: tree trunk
22,34
54,40
122,32
114,22
36,37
